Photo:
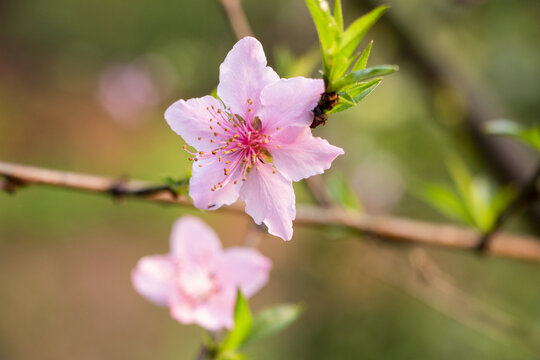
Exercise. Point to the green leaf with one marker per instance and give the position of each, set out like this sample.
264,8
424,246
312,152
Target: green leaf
354,95
242,325
272,320
361,63
362,75
447,202
510,128
338,15
342,193
354,33
325,23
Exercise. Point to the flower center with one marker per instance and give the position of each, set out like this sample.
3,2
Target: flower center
197,283
240,145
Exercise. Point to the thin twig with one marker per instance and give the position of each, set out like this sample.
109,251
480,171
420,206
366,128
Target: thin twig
399,229
527,194
237,18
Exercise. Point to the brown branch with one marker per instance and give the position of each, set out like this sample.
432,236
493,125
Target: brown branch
237,18
387,227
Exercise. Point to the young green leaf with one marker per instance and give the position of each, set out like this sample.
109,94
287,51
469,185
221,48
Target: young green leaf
242,325
326,25
354,95
362,75
338,15
361,63
272,320
354,33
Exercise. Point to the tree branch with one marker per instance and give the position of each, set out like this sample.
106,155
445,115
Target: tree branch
387,227
237,18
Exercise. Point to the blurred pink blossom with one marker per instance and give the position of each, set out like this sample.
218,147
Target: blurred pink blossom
128,89
198,280
253,148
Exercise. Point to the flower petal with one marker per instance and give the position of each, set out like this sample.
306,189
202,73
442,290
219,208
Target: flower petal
182,308
300,154
190,120
242,76
218,312
207,173
153,278
269,198
289,102
244,268
195,243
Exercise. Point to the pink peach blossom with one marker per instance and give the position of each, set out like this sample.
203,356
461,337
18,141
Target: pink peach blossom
255,145
198,280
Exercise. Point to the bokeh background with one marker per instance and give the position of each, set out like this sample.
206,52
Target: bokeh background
84,85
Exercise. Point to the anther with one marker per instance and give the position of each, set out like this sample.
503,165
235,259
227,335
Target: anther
250,101
215,133
199,138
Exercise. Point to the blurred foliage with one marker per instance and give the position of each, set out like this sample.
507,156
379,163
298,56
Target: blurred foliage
473,200
529,136
65,257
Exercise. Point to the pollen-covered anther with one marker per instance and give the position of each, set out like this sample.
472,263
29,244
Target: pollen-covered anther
215,133
201,153
273,171
250,101
226,171
214,152
277,129
235,182
199,138
279,146
211,127
184,147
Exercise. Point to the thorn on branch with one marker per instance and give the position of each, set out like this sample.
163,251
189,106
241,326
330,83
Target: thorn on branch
120,189
10,184
326,103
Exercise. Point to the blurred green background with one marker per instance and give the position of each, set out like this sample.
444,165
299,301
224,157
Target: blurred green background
84,85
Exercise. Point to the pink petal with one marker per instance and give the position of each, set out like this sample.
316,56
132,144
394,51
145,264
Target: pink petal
244,268
269,198
153,278
203,179
190,120
243,75
182,308
194,243
290,102
218,312
300,155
